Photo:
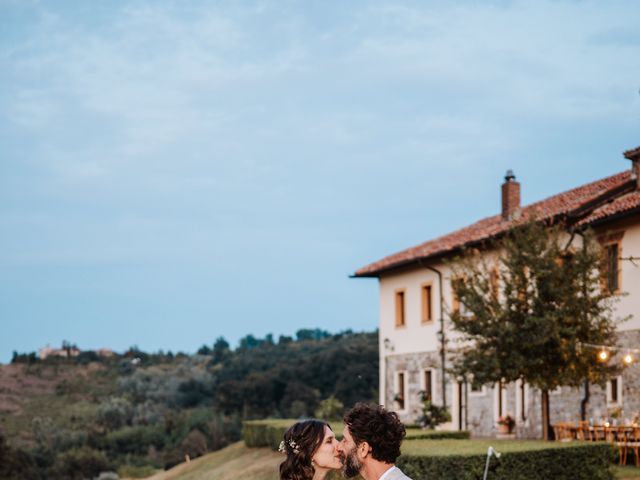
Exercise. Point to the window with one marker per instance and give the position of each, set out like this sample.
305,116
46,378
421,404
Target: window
614,391
494,279
611,267
427,386
556,391
427,311
400,391
522,398
459,307
500,394
476,389
400,314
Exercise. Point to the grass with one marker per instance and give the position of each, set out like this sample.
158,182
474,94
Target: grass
238,461
230,463
627,472
68,395
470,447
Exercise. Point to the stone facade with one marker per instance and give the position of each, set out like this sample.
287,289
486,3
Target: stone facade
479,410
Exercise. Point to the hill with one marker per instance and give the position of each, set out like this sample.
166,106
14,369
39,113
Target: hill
67,418
230,463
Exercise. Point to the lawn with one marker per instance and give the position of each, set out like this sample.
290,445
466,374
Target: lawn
627,473
470,447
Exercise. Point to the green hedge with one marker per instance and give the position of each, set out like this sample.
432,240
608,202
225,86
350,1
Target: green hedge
265,433
269,433
520,460
420,434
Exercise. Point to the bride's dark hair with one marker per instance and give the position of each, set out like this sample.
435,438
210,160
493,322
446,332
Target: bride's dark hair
300,442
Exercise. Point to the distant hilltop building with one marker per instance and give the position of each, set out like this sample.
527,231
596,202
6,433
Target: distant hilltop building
70,352
48,351
416,296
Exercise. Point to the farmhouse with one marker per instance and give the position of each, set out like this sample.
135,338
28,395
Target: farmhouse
416,299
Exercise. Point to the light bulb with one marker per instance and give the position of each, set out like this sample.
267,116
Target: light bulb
603,355
628,359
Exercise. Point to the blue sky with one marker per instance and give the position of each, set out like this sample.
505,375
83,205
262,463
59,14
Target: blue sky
175,171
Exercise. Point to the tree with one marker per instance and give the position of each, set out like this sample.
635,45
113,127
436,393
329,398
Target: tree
528,315
220,350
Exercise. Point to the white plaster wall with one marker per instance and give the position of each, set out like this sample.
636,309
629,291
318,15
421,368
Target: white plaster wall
414,336
629,304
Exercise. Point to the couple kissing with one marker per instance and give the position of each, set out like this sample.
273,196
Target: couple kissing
370,446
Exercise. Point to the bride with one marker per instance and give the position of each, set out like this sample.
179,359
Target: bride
311,449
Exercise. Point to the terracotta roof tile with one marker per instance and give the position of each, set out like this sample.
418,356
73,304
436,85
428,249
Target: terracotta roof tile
625,203
551,207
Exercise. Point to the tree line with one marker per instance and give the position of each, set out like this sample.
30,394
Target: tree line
149,410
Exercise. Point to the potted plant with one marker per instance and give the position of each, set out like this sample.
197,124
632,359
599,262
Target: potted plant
506,424
431,415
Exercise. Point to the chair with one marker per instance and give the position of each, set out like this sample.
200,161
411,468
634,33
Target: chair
583,432
563,432
619,437
633,443
598,433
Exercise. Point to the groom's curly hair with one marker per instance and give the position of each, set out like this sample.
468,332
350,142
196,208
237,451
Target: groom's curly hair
377,426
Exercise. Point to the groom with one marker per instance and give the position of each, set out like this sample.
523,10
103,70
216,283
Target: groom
371,443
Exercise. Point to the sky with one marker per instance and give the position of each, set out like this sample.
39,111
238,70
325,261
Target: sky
176,171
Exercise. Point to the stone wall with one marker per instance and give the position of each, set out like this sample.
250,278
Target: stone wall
480,415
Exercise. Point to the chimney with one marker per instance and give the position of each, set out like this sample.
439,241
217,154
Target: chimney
510,196
634,156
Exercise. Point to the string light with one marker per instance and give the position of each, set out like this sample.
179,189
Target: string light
605,352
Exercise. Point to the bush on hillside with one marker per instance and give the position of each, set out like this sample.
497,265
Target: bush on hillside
135,440
80,463
330,407
16,463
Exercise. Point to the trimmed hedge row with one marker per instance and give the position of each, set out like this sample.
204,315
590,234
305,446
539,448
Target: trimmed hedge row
578,461
265,433
420,434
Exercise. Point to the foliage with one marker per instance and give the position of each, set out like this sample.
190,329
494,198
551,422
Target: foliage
425,434
330,408
16,463
134,471
115,412
527,315
507,421
521,461
80,463
265,433
431,415
267,379
148,410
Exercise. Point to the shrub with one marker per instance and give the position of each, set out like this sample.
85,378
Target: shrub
115,413
432,415
133,471
80,463
265,433
426,459
330,407
420,434
136,440
194,444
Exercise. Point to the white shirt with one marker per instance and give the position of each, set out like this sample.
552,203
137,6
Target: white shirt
386,474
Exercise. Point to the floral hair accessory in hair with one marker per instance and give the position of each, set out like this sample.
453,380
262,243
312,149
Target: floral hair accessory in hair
293,446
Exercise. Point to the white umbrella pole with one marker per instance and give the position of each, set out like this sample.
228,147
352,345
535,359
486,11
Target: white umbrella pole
490,452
